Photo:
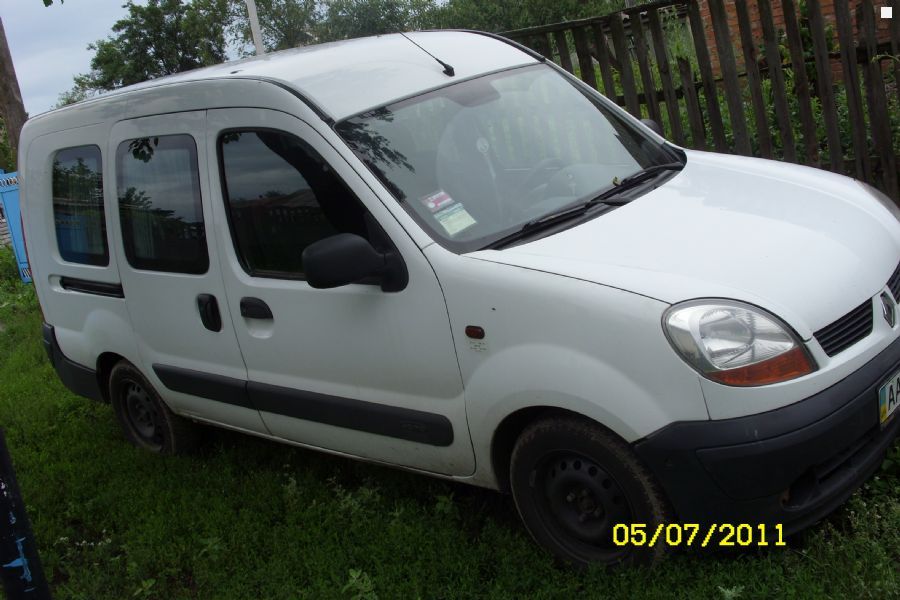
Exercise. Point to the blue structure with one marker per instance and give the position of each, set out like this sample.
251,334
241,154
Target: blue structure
9,199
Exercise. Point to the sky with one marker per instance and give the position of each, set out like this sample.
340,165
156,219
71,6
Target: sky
49,45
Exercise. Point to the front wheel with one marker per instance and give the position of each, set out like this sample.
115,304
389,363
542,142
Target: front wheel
145,419
573,481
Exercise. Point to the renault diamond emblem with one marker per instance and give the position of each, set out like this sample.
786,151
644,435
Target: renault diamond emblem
887,306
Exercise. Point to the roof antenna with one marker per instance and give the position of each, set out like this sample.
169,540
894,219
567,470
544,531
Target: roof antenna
448,70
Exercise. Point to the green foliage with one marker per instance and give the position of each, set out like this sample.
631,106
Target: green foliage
9,268
359,586
506,15
82,90
344,19
14,295
283,23
156,39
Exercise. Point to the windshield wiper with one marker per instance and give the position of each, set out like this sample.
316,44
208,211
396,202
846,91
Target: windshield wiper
566,212
583,205
633,181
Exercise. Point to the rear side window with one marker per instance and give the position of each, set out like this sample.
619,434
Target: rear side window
281,197
160,207
78,206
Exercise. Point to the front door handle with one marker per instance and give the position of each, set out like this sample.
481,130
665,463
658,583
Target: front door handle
254,308
209,312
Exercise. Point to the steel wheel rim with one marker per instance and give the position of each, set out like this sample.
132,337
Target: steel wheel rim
580,504
142,413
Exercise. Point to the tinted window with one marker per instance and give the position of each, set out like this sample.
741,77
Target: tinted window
281,197
160,206
78,206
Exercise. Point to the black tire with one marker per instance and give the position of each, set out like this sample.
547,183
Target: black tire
573,481
145,419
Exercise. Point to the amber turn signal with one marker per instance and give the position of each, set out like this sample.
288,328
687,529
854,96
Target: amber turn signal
790,365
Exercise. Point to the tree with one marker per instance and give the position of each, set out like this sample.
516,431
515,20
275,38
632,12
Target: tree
283,23
82,90
506,15
161,38
343,19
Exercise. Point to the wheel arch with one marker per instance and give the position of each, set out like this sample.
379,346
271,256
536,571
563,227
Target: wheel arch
105,363
511,427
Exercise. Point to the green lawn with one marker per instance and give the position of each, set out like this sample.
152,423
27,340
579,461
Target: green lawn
246,518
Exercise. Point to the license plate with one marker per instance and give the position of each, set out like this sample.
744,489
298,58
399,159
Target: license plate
889,398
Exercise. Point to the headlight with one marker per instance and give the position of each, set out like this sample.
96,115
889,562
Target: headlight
888,204
735,343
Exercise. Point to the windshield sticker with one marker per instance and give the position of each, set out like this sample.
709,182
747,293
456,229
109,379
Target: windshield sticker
455,219
436,201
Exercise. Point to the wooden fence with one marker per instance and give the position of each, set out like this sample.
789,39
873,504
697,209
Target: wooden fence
704,70
5,237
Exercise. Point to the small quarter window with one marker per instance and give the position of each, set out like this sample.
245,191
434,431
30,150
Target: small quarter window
160,205
78,206
281,197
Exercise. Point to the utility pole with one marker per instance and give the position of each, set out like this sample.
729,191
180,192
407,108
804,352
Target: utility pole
254,27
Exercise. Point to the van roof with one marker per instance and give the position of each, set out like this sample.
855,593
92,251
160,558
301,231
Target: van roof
348,77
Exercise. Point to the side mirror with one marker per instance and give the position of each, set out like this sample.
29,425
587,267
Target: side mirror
654,127
346,258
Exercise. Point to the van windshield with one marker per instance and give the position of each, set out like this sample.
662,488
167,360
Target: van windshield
474,161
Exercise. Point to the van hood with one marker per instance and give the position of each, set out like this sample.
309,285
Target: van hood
805,244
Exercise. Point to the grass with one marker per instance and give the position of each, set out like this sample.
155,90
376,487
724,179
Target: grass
246,518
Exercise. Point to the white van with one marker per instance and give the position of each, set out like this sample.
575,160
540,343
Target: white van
440,252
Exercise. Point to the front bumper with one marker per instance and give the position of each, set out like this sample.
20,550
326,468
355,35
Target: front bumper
793,465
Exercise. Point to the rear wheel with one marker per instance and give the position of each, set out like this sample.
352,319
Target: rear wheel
145,419
573,481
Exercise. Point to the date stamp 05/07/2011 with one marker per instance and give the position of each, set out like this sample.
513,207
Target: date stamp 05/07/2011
699,536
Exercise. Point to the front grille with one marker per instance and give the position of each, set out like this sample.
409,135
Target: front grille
894,283
847,330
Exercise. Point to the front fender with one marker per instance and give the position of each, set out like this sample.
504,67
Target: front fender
554,341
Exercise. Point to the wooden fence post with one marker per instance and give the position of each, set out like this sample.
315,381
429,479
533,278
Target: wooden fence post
626,72
754,80
824,86
895,45
733,96
562,46
844,22
779,89
695,114
707,77
640,49
585,62
877,99
602,47
801,81
665,75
